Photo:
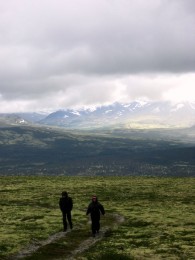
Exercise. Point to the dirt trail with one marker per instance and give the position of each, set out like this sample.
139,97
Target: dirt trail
32,248
86,244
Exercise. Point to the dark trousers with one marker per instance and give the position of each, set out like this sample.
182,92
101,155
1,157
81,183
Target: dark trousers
95,225
67,216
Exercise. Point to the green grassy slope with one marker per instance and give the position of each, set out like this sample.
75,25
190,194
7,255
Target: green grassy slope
159,216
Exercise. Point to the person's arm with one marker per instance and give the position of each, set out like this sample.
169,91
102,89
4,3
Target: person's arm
101,209
88,210
60,204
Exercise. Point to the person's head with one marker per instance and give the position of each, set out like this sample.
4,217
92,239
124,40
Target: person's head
64,194
94,198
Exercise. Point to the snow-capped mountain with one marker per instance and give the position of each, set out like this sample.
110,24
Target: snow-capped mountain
130,115
134,114
12,119
33,117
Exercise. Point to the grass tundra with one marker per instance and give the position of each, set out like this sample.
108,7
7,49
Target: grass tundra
158,213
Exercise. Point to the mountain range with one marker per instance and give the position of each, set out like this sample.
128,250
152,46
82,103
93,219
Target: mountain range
136,114
54,143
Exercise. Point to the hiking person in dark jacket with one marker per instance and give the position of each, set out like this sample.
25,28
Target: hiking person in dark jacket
66,205
94,209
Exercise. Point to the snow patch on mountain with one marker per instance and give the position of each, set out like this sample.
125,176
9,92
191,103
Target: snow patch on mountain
177,107
108,111
120,113
76,113
192,105
140,104
22,121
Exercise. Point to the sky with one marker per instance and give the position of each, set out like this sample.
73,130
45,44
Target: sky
58,54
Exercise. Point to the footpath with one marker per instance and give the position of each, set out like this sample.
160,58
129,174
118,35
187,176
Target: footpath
31,250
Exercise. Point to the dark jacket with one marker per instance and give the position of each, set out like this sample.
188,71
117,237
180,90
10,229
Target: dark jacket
66,204
95,208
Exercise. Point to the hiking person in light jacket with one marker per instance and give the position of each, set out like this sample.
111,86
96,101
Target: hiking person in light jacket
94,209
66,205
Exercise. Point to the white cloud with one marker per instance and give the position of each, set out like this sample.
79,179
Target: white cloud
61,53
182,89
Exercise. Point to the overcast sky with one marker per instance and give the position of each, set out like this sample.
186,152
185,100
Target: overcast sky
59,54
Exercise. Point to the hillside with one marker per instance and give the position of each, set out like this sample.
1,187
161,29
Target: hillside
39,150
158,218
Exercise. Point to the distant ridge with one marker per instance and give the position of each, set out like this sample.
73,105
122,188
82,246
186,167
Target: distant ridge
132,115
136,114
